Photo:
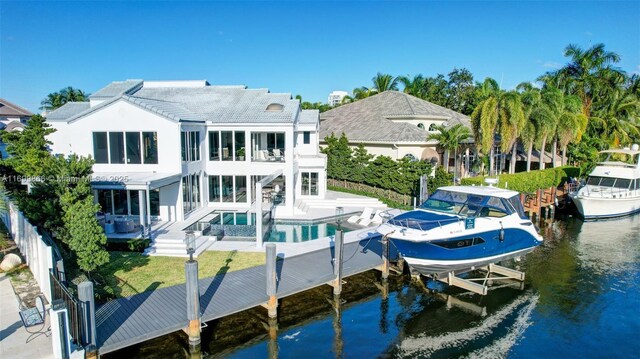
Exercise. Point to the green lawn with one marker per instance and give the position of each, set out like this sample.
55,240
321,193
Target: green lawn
130,273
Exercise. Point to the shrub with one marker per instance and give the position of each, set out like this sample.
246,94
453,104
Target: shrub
527,182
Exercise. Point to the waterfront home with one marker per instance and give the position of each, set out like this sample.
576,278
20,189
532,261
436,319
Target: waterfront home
164,150
12,118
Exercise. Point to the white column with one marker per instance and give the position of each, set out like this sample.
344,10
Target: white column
467,166
142,209
258,214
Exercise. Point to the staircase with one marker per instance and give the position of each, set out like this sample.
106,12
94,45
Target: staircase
177,247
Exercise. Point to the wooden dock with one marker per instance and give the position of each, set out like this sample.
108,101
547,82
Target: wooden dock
127,321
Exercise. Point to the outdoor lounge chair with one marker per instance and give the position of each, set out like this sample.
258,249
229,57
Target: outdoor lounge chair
377,218
366,214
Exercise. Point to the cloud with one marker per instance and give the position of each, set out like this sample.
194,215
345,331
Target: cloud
552,65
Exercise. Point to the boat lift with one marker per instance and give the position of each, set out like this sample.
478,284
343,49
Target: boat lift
480,285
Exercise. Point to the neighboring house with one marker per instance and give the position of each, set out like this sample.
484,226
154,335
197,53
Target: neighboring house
391,123
336,97
164,149
12,118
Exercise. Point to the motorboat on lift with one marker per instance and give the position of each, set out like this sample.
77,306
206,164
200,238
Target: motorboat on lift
461,228
613,187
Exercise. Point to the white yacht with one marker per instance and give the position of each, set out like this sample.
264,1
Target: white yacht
613,187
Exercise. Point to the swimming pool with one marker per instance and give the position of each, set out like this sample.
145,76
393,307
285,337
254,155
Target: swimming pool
301,232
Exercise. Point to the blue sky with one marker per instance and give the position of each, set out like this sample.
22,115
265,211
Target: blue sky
307,48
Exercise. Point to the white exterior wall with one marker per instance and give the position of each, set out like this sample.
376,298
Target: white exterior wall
77,136
170,209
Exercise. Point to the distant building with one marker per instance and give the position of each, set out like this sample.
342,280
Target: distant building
336,97
12,118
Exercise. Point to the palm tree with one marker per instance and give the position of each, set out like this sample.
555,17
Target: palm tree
415,86
363,92
546,116
449,139
571,124
498,111
586,74
622,123
530,97
384,82
58,99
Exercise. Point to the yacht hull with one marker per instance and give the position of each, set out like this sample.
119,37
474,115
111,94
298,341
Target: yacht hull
431,257
597,208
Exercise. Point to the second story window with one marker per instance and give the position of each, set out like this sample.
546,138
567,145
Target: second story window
226,145
306,137
125,147
190,146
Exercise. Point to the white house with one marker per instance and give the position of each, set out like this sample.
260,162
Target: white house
164,150
336,97
12,118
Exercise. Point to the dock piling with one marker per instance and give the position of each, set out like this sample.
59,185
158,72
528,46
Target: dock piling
338,261
385,257
272,304
86,297
193,306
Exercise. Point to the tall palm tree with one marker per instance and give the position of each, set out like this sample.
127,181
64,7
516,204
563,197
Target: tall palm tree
622,119
531,98
571,124
498,111
415,86
449,139
384,82
586,74
546,116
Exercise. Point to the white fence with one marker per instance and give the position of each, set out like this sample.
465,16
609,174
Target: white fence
37,253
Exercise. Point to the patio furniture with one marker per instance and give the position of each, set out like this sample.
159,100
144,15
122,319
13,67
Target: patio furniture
109,228
375,220
124,225
277,155
34,318
366,214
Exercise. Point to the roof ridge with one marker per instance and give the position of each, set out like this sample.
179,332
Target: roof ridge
15,107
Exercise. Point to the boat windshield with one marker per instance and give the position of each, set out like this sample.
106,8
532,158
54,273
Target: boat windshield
470,205
623,183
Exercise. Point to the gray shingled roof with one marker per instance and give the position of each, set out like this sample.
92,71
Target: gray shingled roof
117,88
367,120
13,125
216,104
67,110
11,109
309,117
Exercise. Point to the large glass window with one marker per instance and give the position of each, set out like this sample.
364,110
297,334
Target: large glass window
214,146
120,202
190,146
116,145
227,145
104,199
134,202
154,202
239,145
150,146
227,188
306,136
214,188
309,183
241,189
100,147
133,147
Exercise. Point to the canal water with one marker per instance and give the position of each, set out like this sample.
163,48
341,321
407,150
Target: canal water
581,299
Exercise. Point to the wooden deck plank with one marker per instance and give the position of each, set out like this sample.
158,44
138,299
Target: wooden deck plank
128,321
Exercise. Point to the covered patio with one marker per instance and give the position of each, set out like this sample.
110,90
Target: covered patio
130,201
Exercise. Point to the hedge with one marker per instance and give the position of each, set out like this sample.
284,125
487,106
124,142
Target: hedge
528,182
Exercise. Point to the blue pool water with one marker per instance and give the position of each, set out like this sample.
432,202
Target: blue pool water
301,232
